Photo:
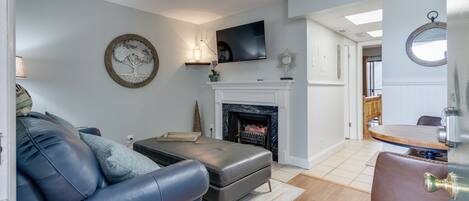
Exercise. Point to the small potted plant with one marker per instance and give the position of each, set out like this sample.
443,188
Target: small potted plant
214,75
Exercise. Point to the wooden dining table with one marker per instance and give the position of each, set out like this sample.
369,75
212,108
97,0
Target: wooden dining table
411,136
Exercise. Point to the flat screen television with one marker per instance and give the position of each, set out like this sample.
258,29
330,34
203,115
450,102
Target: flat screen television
242,43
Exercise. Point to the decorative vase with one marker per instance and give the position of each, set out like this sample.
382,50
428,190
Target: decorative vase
215,76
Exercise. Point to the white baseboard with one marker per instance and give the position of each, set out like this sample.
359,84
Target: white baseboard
324,154
299,162
317,158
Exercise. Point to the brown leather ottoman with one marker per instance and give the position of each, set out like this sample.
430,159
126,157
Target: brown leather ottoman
235,169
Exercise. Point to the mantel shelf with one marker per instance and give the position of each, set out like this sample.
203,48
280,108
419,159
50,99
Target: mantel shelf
253,84
197,63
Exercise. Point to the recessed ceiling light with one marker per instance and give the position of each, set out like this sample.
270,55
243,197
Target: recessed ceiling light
376,34
366,17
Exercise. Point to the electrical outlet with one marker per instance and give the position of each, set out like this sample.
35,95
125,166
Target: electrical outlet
130,139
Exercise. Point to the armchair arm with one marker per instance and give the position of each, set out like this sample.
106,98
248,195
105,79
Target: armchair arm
90,130
183,181
400,177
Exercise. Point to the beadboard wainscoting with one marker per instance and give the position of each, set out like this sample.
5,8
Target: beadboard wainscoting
404,102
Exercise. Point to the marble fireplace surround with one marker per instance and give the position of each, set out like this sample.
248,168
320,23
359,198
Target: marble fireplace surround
261,93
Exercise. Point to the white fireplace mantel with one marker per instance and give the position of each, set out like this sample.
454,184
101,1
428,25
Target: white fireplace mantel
268,93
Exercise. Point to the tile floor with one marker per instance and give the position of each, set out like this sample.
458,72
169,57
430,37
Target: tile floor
347,167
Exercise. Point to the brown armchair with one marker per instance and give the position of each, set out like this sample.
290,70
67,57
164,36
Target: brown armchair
400,178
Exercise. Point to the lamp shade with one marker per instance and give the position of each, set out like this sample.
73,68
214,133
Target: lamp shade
197,53
20,69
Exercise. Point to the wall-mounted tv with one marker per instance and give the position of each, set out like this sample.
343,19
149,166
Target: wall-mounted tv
242,43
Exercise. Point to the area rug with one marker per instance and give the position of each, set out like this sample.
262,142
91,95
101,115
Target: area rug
280,192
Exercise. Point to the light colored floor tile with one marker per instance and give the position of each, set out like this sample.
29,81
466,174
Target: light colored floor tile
352,168
361,186
276,166
323,168
292,169
332,162
365,178
346,167
282,176
338,179
344,173
315,173
369,171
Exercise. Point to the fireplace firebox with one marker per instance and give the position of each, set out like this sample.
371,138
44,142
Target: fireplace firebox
252,124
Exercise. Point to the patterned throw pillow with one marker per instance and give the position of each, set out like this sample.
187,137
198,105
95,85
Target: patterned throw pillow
117,161
24,103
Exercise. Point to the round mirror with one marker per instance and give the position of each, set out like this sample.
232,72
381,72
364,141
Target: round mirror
427,45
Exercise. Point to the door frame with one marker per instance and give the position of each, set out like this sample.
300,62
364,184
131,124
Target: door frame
8,99
358,118
348,52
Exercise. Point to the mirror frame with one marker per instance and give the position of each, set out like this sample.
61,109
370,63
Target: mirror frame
414,34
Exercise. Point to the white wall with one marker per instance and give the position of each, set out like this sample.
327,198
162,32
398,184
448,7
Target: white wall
410,90
326,92
299,8
63,44
281,33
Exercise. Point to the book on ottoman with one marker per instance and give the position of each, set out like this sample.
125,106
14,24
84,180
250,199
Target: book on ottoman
180,137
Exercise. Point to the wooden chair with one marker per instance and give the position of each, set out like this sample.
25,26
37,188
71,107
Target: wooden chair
372,109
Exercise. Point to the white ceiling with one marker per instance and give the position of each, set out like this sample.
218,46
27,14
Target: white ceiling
194,11
335,20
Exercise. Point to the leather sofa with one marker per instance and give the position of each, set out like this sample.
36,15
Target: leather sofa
54,164
401,178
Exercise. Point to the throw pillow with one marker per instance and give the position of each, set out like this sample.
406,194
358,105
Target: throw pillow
117,161
64,123
24,103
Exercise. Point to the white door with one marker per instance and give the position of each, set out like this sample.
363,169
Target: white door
350,71
7,101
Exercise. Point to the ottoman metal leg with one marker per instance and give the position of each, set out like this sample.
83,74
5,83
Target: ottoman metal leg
270,186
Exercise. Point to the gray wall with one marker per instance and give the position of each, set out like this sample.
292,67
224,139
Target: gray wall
281,33
63,44
406,85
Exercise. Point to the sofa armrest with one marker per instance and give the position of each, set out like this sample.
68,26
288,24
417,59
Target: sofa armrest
184,181
89,130
400,177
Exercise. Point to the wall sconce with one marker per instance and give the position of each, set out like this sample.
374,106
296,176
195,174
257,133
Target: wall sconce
197,54
20,68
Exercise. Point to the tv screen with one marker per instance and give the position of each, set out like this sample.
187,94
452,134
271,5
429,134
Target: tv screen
242,43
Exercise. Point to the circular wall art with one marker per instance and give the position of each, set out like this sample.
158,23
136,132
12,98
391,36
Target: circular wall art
131,61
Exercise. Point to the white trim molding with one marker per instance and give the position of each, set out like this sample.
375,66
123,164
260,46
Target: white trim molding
268,93
414,83
7,100
324,154
325,83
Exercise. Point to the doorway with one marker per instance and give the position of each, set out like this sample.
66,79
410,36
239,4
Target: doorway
372,71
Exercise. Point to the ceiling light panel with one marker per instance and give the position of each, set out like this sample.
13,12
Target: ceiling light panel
366,17
376,34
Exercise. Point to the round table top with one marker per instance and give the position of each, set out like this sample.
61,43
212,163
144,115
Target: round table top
409,135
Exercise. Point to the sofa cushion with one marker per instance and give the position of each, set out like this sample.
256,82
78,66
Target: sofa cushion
26,190
58,120
226,162
61,165
118,162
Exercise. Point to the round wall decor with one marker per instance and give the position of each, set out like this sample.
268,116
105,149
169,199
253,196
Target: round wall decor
131,61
